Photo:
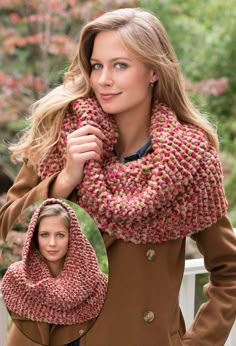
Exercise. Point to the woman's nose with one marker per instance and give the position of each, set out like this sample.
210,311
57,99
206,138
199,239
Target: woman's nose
52,241
105,77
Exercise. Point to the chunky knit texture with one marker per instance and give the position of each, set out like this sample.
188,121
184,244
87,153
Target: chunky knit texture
76,295
174,191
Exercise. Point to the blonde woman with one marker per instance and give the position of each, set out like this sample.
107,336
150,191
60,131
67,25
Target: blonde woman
121,138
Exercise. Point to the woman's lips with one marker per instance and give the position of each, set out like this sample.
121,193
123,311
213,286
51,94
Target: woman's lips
108,96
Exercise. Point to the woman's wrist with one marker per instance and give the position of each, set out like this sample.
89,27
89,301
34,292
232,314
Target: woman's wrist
62,186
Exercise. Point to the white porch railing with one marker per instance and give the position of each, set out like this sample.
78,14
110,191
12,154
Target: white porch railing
187,300
187,294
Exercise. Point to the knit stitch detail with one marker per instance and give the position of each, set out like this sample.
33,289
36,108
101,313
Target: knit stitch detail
76,295
174,191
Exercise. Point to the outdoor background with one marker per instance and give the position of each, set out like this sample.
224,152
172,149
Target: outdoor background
38,40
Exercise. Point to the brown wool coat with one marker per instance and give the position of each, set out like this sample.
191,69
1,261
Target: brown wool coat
141,308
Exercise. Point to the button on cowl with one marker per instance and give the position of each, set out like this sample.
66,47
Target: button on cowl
81,332
151,254
148,316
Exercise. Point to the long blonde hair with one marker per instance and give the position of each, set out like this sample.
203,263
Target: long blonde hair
144,35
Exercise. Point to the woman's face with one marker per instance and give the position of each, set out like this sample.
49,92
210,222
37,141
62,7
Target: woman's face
120,81
53,240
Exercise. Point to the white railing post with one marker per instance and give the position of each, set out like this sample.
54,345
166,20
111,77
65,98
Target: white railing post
187,291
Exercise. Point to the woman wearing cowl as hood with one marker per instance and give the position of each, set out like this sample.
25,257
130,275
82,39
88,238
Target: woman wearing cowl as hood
57,290
121,138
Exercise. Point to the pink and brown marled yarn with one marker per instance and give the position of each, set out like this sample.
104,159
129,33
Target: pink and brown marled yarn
174,191
76,295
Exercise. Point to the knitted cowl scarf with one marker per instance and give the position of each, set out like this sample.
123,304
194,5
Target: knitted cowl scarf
173,191
76,295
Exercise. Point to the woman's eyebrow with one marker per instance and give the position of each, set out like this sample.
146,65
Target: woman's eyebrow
113,59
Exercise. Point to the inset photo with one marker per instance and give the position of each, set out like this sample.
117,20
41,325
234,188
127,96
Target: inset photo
54,274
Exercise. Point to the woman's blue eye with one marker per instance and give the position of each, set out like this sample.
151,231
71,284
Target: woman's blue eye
60,235
121,65
96,66
44,235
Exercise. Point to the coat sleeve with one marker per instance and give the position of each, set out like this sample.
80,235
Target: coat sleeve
27,189
216,316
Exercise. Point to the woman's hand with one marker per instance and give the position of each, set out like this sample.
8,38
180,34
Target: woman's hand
86,143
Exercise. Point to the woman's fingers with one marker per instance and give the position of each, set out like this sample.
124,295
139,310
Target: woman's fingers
87,130
84,144
86,138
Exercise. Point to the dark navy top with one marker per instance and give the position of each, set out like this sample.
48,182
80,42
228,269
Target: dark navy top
141,152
